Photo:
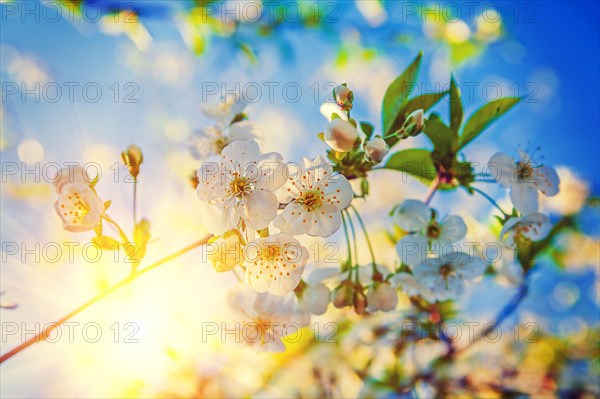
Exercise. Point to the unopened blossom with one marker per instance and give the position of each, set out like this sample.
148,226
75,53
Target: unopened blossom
425,231
266,319
275,263
79,207
315,199
446,275
72,174
227,109
413,125
343,97
132,158
225,252
240,187
376,149
340,135
532,227
213,139
525,178
381,296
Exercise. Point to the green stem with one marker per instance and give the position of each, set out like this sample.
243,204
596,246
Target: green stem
350,264
432,190
491,200
119,229
364,229
354,241
135,200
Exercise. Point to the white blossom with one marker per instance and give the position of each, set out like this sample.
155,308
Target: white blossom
425,232
525,178
231,104
79,207
212,139
266,319
445,275
315,198
240,187
275,263
534,227
74,174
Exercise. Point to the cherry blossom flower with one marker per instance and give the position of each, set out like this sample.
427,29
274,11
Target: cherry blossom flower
534,227
410,286
381,296
240,187
275,263
445,275
74,174
266,319
525,178
425,232
316,295
315,197
343,97
212,139
79,207
231,104
340,135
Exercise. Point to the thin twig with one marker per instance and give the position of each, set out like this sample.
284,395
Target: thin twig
126,281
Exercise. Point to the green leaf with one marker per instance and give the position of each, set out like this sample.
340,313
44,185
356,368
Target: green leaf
424,101
484,117
367,128
456,107
443,138
415,162
107,204
335,116
321,136
397,93
364,187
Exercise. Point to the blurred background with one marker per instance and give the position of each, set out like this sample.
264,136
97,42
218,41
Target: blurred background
81,80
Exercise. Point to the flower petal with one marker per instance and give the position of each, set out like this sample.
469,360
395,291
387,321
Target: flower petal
547,180
453,229
412,215
259,208
502,168
524,197
412,249
535,226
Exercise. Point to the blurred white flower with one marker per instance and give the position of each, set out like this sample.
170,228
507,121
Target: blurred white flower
275,263
381,296
225,252
445,275
426,233
340,135
315,197
75,174
410,286
534,227
231,104
212,139
241,186
79,207
316,295
376,149
266,318
524,178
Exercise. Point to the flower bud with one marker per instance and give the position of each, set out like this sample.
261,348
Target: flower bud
340,135
376,149
315,299
382,296
342,295
413,125
360,302
133,158
343,97
225,252
72,174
